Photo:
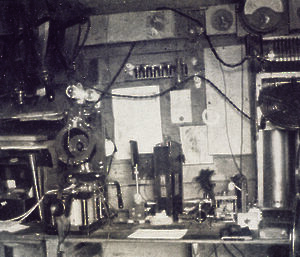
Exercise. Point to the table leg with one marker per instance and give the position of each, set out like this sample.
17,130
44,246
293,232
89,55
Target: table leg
195,250
51,247
2,250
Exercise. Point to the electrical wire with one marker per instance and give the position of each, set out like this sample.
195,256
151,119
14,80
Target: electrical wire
77,41
26,214
226,121
61,240
219,58
242,120
177,86
86,34
23,216
68,63
239,250
215,250
103,201
211,46
106,90
228,250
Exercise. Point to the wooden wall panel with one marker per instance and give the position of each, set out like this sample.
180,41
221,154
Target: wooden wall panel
153,52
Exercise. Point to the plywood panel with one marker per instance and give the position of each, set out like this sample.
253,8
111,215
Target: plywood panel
227,129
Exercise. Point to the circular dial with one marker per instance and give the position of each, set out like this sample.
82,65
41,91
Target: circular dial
222,20
262,16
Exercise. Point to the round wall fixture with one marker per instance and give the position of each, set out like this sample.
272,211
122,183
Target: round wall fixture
262,16
222,20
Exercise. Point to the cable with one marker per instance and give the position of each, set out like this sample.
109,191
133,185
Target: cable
26,214
106,204
219,58
242,120
239,250
23,216
228,251
68,62
31,209
215,250
226,122
61,239
111,159
212,48
77,41
105,91
177,86
86,34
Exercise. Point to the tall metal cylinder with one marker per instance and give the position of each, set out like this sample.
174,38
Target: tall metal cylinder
278,167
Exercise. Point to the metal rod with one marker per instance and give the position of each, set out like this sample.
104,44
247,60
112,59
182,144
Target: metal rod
136,172
32,162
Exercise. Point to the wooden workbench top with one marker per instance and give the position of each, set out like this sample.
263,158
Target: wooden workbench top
196,233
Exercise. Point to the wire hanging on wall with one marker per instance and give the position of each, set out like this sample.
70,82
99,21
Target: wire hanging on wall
108,87
207,37
238,167
178,86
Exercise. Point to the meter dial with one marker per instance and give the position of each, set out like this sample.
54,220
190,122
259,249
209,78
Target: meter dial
262,16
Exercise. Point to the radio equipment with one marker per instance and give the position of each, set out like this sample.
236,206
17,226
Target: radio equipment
278,115
168,160
281,49
84,208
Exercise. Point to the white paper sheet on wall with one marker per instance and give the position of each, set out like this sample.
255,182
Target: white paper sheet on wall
195,145
218,140
181,106
136,119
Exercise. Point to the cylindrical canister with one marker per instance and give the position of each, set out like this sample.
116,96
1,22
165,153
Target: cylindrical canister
278,167
76,215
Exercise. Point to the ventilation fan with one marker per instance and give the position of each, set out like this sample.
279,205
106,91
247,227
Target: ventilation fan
280,103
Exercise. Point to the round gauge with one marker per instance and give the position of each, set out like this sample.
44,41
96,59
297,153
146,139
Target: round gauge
222,19
262,16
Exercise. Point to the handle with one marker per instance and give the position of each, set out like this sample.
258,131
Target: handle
119,193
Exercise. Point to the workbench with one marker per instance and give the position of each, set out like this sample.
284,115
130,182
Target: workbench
191,244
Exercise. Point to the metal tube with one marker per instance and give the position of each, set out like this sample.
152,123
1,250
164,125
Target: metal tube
32,162
277,159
